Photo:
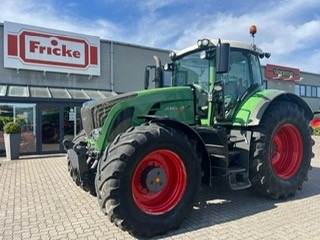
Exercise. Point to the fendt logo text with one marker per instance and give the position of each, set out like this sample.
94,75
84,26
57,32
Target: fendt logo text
53,50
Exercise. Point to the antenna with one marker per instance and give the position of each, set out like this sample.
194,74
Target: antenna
253,31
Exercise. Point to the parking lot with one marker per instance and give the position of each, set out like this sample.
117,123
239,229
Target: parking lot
38,200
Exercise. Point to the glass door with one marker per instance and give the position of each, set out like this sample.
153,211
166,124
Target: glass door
50,128
26,114
71,122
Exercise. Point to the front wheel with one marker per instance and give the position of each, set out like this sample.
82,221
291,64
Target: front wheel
281,151
149,179
86,180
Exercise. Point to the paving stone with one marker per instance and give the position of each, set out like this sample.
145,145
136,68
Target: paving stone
38,200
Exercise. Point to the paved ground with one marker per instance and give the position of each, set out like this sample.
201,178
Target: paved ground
38,200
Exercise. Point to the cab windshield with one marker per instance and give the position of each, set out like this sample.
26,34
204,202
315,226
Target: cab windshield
190,70
193,71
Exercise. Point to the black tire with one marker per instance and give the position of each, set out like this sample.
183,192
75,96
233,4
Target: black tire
123,179
281,151
78,139
87,179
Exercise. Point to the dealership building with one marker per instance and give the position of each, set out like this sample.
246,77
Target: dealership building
46,75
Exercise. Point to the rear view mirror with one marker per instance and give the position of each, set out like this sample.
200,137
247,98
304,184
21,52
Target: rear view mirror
222,57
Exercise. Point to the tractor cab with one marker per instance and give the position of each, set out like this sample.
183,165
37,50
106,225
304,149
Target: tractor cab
221,74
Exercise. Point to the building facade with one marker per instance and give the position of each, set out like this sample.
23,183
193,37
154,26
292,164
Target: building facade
46,75
304,84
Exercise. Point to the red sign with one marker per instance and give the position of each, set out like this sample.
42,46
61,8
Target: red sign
282,73
57,51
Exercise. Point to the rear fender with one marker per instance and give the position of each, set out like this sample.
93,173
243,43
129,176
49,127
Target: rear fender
252,110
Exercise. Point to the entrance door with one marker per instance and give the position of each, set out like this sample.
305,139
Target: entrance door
71,122
50,128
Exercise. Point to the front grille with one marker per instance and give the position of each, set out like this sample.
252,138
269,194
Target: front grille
100,113
95,112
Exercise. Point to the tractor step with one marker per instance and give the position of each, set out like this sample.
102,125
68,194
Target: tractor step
223,160
238,178
216,149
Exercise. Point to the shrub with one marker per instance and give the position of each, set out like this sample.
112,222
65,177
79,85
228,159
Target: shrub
12,128
316,131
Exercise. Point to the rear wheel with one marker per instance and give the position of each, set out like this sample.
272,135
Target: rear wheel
149,179
281,151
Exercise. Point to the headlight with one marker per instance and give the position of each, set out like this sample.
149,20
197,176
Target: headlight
203,42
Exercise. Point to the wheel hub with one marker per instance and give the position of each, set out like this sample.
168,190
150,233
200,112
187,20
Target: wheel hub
155,179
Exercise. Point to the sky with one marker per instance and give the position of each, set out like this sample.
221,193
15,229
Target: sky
288,29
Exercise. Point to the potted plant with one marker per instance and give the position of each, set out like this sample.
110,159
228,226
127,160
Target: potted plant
12,135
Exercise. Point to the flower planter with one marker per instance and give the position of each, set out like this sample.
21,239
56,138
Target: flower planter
12,145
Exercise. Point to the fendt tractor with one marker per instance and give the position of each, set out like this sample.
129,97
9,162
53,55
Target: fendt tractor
145,154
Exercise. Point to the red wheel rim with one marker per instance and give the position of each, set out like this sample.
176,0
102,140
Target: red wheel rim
159,182
287,151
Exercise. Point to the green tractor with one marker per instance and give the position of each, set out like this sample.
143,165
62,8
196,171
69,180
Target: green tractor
145,154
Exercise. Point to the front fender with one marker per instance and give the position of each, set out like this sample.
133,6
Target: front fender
252,110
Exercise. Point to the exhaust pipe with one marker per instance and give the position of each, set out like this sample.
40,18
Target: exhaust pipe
158,79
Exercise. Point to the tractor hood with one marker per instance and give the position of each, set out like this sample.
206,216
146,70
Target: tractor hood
116,114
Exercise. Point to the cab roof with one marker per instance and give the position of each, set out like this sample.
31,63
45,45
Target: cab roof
233,44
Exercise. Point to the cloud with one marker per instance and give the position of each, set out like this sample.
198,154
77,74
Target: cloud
47,14
283,29
311,63
288,29
153,5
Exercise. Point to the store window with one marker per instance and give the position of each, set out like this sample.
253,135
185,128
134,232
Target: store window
25,114
308,92
297,89
313,91
3,90
302,90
